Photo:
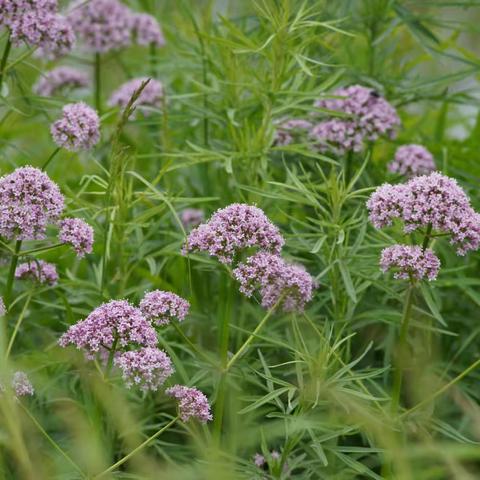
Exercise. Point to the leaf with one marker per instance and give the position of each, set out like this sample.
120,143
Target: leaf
347,281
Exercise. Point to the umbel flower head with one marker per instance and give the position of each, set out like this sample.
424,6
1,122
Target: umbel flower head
61,79
233,229
146,368
434,201
163,307
192,403
37,271
289,131
150,97
411,160
29,201
77,233
146,30
116,322
78,128
410,262
21,385
192,217
280,283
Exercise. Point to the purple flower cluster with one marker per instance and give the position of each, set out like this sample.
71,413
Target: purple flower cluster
411,160
410,262
150,97
163,307
192,403
78,234
369,117
435,201
279,282
192,217
61,78
233,229
38,271
21,385
116,324
147,368
29,201
288,131
146,30
78,128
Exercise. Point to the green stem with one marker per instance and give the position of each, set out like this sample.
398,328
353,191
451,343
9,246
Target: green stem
43,249
17,327
137,449
348,167
50,158
11,274
6,52
428,236
111,357
153,60
98,83
191,344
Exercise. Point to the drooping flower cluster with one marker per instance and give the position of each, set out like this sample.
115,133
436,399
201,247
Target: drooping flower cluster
147,368
37,23
430,201
61,79
410,262
289,131
78,234
192,403
233,229
411,160
369,117
163,307
192,217
37,271
21,385
150,97
279,283
29,201
78,128
146,30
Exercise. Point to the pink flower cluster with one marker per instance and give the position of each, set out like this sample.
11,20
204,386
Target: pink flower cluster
411,160
163,307
410,262
78,234
289,131
29,201
105,25
192,217
37,23
233,229
21,385
77,129
280,283
59,79
150,97
192,403
435,201
38,271
147,368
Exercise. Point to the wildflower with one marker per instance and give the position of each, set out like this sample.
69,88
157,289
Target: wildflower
29,201
61,78
77,233
146,30
337,135
21,385
192,403
410,261
232,229
276,280
164,307
59,40
38,271
259,460
287,130
113,325
78,129
192,217
150,97
411,160
103,25
147,368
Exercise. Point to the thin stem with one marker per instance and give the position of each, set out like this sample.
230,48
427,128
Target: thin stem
6,52
11,274
50,158
428,236
348,167
98,83
137,449
111,356
402,343
43,249
191,344
17,326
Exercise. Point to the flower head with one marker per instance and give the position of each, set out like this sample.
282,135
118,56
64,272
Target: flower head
116,322
411,160
163,307
59,40
232,229
146,30
192,217
259,460
147,368
410,261
78,129
280,283
29,201
150,97
192,403
21,384
60,78
337,135
78,234
288,130
38,271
